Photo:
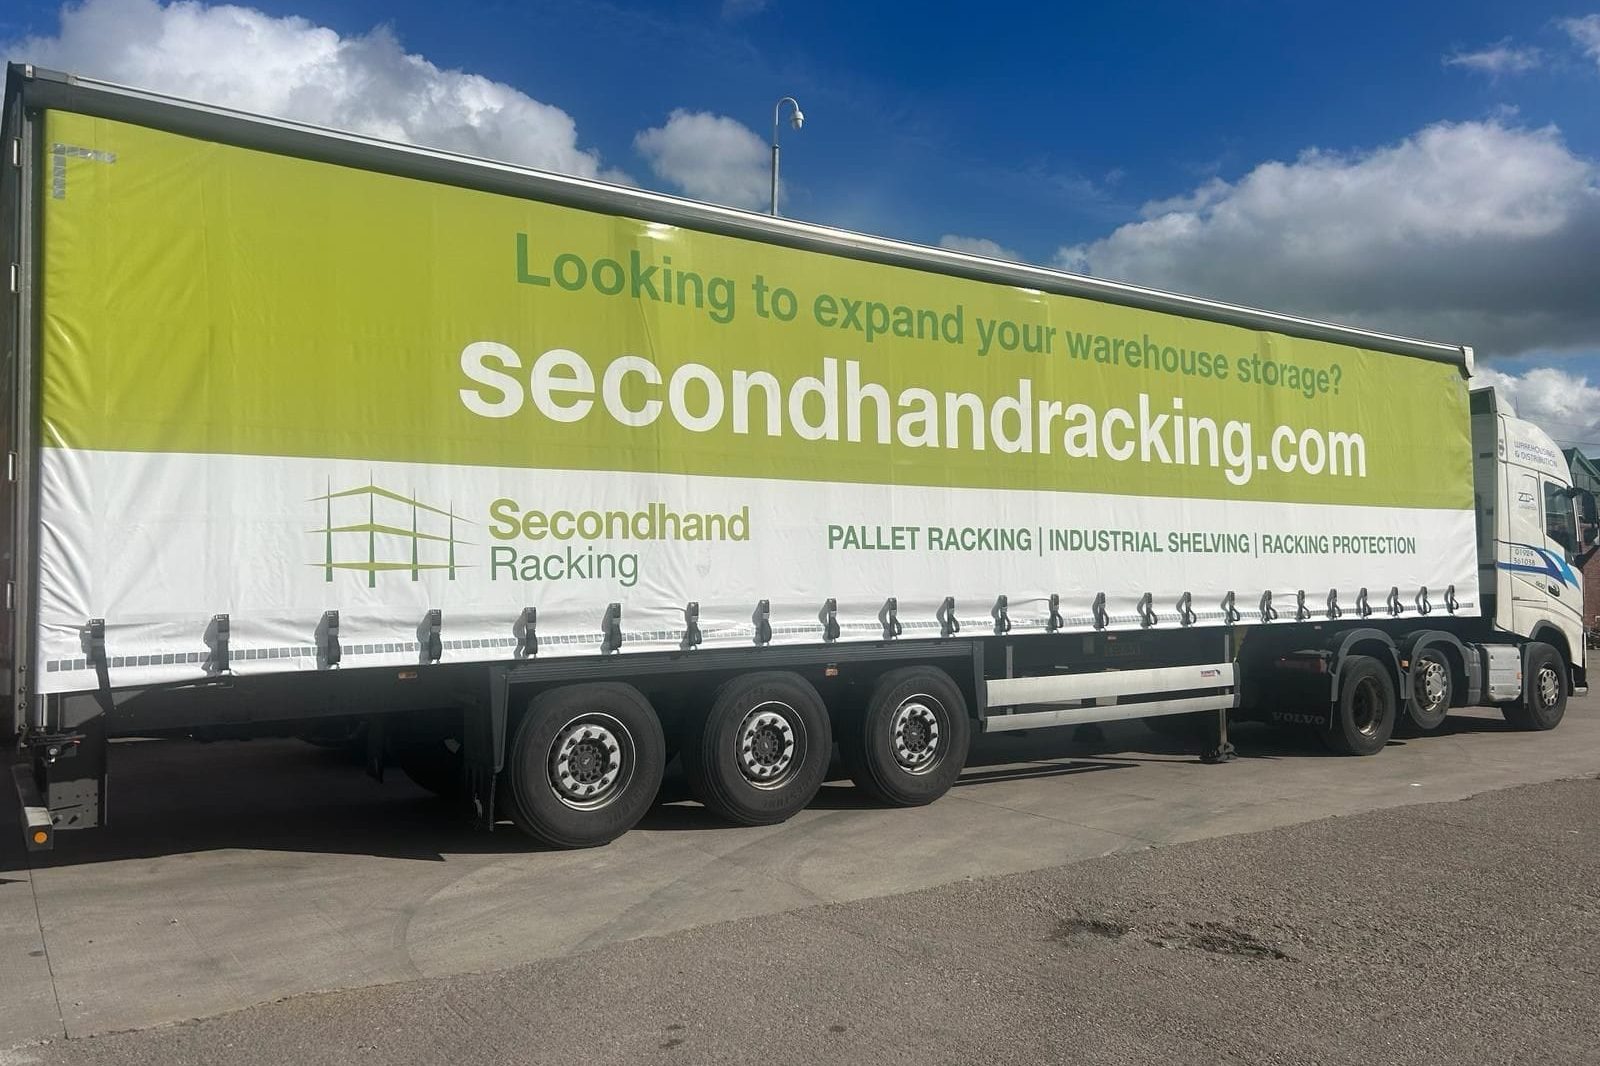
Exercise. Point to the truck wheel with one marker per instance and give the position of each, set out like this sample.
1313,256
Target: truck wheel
760,753
1432,691
909,743
585,764
1544,700
1364,714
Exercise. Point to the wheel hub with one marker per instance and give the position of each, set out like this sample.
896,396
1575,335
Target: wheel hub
914,732
1366,707
1549,687
587,761
1431,684
767,745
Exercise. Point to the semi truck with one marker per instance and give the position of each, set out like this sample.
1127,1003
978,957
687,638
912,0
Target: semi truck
527,483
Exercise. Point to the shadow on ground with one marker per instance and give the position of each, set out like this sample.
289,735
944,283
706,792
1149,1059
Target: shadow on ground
177,797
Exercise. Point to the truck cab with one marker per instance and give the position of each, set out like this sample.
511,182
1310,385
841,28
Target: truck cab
1535,530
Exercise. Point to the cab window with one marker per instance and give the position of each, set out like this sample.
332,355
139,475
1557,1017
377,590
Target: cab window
1558,521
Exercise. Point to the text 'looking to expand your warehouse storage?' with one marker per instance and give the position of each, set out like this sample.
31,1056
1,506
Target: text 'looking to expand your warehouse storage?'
722,299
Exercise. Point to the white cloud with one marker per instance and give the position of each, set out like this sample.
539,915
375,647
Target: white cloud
1203,196
291,67
978,246
710,157
1475,232
1498,59
1564,405
1585,33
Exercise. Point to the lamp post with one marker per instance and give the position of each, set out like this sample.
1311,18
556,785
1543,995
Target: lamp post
797,119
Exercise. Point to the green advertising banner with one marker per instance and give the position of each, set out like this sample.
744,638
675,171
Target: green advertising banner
211,300
274,389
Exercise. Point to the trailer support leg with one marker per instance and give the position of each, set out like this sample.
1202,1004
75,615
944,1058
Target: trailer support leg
1222,751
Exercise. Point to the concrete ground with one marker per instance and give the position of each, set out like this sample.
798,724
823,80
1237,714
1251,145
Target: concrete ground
1443,934
241,873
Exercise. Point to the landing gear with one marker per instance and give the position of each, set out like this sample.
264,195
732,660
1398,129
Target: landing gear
1222,750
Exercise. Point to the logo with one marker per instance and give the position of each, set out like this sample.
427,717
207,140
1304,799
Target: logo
1526,559
393,532
1299,718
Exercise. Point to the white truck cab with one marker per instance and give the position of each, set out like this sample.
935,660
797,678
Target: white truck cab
1535,531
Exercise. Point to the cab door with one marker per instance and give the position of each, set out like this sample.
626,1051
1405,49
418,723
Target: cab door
1544,537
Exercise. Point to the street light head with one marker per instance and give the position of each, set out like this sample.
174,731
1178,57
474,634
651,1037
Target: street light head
797,119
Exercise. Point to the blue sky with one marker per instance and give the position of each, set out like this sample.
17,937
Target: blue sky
1427,168
1033,129
1046,126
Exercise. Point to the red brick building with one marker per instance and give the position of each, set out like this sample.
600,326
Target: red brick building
1586,475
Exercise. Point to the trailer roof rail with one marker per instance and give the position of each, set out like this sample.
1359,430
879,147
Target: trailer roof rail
42,88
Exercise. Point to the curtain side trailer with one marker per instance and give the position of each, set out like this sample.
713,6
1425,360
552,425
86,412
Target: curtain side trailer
527,483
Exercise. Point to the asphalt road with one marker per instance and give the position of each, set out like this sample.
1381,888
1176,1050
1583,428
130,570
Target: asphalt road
1453,933
239,874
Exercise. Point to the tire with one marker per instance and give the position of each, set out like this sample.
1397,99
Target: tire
584,765
909,743
758,756
435,765
1364,714
1544,697
1432,692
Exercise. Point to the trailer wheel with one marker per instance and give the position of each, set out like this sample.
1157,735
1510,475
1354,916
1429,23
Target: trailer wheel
1544,699
585,764
1364,714
909,743
1432,690
760,753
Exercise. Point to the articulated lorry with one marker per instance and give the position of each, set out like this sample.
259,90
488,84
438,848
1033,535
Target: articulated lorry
531,482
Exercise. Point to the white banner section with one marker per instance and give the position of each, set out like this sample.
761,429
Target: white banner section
158,545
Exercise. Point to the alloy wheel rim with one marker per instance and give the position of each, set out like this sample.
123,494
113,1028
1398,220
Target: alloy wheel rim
916,733
1366,707
771,745
1549,686
591,761
1430,684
